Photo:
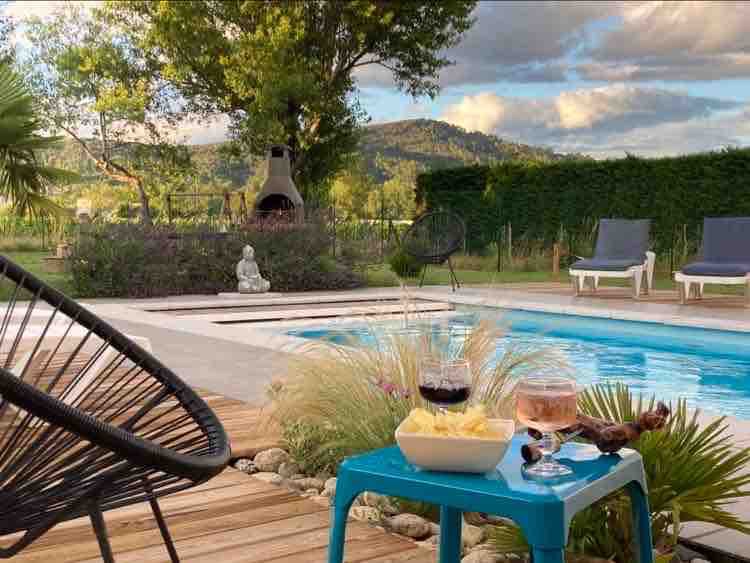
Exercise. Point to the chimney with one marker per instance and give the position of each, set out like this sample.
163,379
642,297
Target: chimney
279,194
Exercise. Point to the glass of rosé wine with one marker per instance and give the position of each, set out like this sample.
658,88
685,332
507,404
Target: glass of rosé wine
546,404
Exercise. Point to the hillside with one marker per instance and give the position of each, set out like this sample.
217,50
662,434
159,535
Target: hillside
436,144
431,144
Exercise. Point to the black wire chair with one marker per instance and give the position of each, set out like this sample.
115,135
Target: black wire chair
433,238
89,420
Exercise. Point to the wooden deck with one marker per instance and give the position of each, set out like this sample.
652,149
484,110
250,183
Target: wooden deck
233,517
248,428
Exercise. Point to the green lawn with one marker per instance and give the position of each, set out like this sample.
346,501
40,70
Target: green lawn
377,276
382,276
34,263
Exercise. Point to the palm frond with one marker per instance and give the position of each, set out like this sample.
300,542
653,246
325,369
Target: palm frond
24,180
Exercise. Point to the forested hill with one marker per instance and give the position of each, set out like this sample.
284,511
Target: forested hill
436,144
428,143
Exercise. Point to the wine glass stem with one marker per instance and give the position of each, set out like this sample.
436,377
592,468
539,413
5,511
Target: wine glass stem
547,447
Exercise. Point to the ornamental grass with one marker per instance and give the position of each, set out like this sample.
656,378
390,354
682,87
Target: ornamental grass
340,400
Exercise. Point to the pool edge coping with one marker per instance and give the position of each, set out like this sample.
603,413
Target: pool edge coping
586,311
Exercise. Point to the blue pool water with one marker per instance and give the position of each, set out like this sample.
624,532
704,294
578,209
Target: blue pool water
709,368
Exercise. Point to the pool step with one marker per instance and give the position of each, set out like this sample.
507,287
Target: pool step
271,314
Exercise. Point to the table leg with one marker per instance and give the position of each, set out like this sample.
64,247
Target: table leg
641,524
340,512
547,555
450,534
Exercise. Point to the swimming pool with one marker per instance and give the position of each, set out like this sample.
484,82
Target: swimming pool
709,368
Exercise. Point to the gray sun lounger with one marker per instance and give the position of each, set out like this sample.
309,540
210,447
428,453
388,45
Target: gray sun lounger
725,258
621,252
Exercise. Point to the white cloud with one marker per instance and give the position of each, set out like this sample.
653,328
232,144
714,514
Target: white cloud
202,132
489,113
602,120
191,130
517,41
603,41
482,112
669,28
693,135
707,40
624,107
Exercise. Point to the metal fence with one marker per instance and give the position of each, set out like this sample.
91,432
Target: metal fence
365,240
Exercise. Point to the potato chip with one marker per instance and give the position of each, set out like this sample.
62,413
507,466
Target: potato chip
472,423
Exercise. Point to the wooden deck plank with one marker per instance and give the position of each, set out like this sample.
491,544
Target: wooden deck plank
233,517
240,519
189,527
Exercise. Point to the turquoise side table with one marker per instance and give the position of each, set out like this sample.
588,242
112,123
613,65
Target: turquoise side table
543,510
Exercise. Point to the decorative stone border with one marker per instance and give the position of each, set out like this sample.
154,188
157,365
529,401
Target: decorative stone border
275,466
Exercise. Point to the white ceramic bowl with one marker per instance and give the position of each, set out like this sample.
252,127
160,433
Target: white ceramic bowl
457,454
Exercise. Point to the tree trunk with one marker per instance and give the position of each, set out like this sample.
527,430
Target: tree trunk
116,172
143,197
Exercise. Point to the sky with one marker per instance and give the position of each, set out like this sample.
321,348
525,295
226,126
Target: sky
603,78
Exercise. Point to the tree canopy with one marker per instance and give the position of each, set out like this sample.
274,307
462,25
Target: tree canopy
286,71
7,49
102,91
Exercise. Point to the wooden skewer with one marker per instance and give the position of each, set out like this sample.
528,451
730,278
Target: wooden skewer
608,436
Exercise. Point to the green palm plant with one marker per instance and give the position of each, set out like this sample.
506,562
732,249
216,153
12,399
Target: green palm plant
24,180
693,473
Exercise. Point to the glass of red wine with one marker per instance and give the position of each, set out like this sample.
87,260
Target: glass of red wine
445,382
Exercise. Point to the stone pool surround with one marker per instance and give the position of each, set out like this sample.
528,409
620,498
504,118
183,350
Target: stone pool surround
258,334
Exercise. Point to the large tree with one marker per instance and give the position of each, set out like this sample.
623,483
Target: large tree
102,91
286,70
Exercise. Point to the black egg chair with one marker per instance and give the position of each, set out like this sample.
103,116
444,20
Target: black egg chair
89,420
433,238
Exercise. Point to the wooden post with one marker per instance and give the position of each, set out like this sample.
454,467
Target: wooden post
227,207
510,243
332,218
556,259
243,208
499,252
169,207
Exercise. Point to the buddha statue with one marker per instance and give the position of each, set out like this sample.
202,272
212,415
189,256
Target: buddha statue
248,275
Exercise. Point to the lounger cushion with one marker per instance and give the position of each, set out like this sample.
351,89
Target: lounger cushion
625,240
726,269
726,240
606,265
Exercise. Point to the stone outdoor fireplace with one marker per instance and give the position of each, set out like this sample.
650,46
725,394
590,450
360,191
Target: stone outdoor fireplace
279,196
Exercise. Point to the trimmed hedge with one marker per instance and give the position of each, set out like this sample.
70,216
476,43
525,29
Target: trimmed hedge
136,261
537,199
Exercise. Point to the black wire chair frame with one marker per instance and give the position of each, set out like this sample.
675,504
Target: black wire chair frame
89,420
433,238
